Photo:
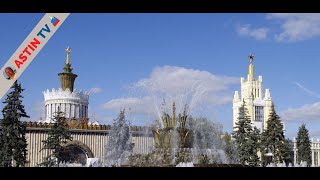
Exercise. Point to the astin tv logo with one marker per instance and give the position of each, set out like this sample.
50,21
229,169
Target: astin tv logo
55,21
35,43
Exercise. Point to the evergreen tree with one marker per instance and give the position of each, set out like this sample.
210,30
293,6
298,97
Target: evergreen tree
13,143
286,151
119,145
1,150
303,145
273,138
230,149
244,136
254,144
58,136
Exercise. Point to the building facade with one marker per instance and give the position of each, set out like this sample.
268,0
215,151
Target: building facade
89,138
251,93
89,141
315,152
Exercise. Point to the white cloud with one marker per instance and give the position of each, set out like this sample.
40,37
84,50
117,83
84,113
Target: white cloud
305,113
181,85
296,26
95,90
257,33
308,91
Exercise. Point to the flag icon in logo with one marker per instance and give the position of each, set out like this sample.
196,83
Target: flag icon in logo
55,21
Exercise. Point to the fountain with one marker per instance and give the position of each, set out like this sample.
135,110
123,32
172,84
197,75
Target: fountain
176,143
174,133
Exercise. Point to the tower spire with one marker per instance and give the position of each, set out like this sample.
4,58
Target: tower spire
67,66
68,50
67,77
251,68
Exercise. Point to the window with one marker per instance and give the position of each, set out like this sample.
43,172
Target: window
258,113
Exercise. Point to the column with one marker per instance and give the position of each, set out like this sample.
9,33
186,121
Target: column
312,154
77,114
48,111
318,156
51,108
83,111
45,112
68,107
70,110
294,156
75,110
80,110
54,109
62,108
86,111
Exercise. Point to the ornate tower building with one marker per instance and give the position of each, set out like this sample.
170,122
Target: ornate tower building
73,104
251,93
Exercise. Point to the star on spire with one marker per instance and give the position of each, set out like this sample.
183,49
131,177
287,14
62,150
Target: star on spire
251,57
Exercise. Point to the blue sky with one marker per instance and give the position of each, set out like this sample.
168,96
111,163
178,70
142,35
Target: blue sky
120,55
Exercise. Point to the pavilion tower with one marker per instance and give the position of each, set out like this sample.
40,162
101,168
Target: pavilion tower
72,103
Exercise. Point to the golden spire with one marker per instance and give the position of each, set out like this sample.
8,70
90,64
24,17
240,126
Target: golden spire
251,68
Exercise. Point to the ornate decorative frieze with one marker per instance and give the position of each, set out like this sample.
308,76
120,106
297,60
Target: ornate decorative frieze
54,94
83,124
